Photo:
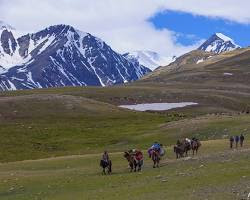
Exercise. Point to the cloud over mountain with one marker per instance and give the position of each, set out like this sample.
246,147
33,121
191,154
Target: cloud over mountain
123,24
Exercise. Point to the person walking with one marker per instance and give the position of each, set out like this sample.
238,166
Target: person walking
242,138
237,139
231,140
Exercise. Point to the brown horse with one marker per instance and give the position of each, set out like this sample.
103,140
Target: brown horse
134,162
106,165
155,155
195,145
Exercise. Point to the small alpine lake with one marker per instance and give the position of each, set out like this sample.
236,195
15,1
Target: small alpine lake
157,106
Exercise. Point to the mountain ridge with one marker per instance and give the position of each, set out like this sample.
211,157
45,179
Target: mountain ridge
61,55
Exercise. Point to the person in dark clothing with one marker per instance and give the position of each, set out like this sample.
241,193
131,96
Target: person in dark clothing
231,139
237,139
242,138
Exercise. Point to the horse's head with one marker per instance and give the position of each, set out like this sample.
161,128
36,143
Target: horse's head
126,155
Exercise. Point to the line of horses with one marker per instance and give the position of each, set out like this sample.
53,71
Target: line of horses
135,159
181,149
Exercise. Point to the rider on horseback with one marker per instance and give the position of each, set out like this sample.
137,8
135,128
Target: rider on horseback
138,155
105,157
156,146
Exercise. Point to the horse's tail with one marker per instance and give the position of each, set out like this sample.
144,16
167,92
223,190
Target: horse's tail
110,166
175,148
101,163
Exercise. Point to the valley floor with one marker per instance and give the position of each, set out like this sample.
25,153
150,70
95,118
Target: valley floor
216,173
39,126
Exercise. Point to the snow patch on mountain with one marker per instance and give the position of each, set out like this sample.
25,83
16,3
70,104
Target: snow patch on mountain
224,37
200,61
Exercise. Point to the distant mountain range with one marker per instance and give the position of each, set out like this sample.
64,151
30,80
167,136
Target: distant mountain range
218,43
150,59
60,56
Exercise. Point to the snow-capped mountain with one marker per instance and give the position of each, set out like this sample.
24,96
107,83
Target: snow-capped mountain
218,43
149,59
61,56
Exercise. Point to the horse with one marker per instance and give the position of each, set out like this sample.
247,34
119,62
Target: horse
134,163
187,147
179,151
106,165
195,145
155,155
182,148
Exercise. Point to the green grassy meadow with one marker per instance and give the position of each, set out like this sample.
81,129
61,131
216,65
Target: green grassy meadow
51,141
47,125
216,173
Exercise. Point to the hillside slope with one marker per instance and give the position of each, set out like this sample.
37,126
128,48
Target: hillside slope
216,80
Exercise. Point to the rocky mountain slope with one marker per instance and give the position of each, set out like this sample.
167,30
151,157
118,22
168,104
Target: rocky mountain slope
61,56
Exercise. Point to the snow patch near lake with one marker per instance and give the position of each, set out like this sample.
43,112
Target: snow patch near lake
157,106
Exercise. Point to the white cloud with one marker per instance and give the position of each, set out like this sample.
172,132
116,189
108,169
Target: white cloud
121,23
233,10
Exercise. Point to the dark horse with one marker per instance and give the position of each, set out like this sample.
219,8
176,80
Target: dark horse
195,145
179,151
106,165
155,155
182,148
134,163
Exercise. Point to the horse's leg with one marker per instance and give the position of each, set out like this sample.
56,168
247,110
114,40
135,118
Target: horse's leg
153,162
131,167
135,166
139,167
109,169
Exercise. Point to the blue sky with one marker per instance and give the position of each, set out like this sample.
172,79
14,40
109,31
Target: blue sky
192,28
126,25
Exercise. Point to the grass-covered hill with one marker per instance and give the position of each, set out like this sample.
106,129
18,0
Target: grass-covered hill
76,120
